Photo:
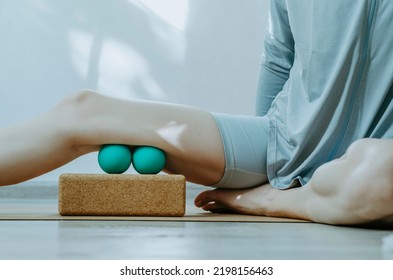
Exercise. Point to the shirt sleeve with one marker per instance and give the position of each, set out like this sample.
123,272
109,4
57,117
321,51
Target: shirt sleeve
277,57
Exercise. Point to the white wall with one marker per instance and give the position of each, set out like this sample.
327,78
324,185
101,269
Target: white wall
204,53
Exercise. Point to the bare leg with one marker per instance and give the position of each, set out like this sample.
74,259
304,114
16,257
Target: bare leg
84,121
353,190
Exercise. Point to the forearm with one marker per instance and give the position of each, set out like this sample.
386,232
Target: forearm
269,85
277,58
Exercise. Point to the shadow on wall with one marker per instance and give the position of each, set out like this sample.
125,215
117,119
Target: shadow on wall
198,52
194,52
110,47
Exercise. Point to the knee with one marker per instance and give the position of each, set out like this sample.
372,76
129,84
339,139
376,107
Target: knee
363,148
371,157
370,160
78,100
360,183
79,106
370,166
366,163
73,112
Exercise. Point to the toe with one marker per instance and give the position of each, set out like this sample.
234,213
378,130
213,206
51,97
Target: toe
205,198
216,207
216,201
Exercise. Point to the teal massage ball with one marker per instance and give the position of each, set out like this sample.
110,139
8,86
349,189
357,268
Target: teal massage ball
114,159
148,160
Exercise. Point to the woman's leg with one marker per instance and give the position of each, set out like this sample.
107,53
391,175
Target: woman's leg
355,189
83,122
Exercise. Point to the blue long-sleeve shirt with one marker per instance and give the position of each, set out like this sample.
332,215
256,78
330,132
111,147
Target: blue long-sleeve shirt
325,81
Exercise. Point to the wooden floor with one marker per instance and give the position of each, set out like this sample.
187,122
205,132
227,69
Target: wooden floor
91,240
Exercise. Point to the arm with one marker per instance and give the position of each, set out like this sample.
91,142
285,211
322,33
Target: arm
277,58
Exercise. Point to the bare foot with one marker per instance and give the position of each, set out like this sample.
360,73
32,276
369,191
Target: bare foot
335,208
262,201
245,201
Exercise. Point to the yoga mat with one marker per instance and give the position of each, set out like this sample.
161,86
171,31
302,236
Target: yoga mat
48,212
38,201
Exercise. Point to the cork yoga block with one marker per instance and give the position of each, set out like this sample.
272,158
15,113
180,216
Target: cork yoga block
122,195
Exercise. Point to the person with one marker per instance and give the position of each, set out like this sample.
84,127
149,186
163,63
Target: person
320,147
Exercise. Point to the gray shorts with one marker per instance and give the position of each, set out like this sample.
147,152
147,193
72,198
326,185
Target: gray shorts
245,140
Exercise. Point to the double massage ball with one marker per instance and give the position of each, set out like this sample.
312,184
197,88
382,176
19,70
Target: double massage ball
116,159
